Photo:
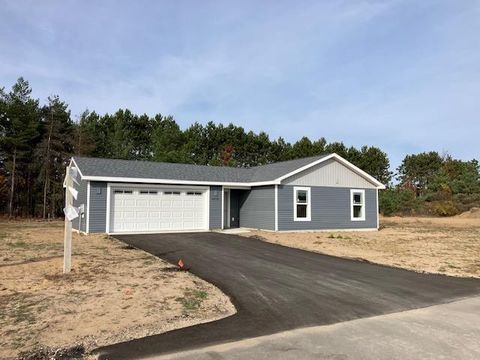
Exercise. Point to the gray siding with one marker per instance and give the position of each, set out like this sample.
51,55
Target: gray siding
257,208
98,206
330,209
216,207
80,223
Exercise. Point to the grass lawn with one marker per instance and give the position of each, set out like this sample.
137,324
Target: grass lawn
449,246
114,292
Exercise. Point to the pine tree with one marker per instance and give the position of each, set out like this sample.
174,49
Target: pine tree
54,149
20,125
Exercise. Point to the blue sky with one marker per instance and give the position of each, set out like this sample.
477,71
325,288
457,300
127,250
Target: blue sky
401,75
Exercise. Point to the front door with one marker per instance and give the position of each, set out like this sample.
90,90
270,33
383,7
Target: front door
235,208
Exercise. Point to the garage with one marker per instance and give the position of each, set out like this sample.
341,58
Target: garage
156,209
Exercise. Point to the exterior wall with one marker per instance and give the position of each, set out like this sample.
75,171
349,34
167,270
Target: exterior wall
257,208
331,173
98,207
80,223
216,207
330,209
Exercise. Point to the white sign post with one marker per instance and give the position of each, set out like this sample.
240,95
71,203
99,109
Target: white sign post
70,214
67,240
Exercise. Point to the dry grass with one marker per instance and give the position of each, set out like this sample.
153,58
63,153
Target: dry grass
113,294
449,246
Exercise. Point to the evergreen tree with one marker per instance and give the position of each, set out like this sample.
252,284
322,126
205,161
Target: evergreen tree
20,130
84,136
418,170
54,150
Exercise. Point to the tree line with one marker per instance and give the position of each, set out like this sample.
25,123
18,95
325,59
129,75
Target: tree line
433,184
37,141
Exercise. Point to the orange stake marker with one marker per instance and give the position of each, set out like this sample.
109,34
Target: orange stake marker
181,264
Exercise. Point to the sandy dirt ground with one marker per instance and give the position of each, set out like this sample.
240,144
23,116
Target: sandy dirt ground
114,293
449,246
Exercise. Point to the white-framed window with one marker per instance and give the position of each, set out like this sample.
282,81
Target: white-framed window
301,204
357,205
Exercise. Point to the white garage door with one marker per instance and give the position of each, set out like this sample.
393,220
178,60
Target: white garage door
157,209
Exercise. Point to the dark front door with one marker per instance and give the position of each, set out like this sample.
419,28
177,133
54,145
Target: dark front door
235,208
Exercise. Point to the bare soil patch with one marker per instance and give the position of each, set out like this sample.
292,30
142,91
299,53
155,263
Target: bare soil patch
449,246
473,213
114,293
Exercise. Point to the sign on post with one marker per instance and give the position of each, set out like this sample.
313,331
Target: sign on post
70,213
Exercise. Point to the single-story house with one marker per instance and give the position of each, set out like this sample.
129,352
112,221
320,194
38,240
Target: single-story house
323,192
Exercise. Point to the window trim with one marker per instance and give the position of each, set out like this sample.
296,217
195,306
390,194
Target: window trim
352,193
308,203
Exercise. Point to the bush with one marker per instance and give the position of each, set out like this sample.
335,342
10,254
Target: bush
388,203
444,208
465,202
399,201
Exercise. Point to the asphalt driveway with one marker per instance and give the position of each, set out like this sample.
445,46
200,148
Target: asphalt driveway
276,288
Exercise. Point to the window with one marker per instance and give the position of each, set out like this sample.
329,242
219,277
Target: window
171,193
301,204
194,193
357,203
123,191
145,192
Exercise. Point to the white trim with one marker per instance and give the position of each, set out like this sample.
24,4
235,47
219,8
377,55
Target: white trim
79,171
223,208
340,159
245,185
112,186
87,226
107,226
276,207
357,191
207,209
378,212
153,186
309,203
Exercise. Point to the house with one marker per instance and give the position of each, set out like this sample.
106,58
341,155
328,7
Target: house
323,192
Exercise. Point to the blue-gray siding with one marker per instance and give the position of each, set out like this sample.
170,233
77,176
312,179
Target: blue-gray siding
80,223
215,207
98,206
257,208
330,209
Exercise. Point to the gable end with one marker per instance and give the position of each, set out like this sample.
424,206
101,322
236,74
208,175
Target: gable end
329,173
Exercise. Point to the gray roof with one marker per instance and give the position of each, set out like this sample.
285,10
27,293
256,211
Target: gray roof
188,172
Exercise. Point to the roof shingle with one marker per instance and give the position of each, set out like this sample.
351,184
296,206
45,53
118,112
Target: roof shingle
100,167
